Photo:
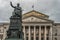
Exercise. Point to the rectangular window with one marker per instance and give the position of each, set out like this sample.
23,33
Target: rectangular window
47,38
42,38
55,38
37,38
26,38
32,38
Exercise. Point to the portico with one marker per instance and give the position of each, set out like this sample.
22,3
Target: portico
37,32
36,26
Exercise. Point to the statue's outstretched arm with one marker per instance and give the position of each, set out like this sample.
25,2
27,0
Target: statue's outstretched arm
12,5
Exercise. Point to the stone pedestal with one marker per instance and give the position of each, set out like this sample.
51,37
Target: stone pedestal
13,39
15,29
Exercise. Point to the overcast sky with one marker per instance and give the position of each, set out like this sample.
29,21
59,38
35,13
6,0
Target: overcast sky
49,7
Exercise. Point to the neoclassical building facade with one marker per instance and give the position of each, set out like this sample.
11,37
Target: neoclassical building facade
36,26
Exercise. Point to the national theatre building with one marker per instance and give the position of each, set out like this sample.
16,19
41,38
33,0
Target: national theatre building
36,26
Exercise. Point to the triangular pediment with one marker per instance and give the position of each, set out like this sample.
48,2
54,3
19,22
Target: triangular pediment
35,19
35,13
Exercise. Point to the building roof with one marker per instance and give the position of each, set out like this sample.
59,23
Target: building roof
34,13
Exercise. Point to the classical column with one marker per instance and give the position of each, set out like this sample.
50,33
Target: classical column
24,33
51,33
29,34
34,33
45,34
39,32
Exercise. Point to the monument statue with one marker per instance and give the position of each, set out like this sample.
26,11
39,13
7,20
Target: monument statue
15,29
17,9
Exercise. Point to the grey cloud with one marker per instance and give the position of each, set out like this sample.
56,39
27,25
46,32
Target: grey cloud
49,7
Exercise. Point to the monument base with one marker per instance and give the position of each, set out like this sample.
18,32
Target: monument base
13,39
